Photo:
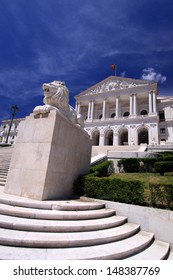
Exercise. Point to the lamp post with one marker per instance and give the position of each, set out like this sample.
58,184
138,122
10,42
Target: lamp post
14,110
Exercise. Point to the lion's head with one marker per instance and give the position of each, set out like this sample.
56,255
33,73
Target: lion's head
56,94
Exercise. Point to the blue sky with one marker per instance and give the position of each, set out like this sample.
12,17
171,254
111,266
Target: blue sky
76,41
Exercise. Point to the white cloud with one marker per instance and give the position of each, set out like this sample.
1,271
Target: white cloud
151,75
123,74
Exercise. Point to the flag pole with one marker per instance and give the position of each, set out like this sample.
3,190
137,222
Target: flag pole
114,68
115,71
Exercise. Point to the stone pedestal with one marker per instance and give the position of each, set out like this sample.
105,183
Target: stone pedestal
49,154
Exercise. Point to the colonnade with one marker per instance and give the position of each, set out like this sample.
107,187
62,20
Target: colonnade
132,106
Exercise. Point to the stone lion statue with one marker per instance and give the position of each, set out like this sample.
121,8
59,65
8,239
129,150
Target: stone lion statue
56,97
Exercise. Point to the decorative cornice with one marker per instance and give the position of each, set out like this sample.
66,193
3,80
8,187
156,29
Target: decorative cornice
112,85
117,85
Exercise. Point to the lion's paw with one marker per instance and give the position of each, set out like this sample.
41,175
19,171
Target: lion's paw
41,109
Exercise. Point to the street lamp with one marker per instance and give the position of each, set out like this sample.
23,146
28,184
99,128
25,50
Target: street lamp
14,110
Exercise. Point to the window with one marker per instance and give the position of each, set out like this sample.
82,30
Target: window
162,130
161,115
144,112
113,115
126,114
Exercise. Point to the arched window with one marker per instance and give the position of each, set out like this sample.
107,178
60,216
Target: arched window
123,136
144,112
113,115
143,136
95,137
109,138
126,114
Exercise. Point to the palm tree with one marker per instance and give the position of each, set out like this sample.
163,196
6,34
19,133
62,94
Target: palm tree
14,110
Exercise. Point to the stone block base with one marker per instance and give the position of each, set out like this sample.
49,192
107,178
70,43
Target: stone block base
49,154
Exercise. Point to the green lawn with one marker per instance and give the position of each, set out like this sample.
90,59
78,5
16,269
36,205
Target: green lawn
146,178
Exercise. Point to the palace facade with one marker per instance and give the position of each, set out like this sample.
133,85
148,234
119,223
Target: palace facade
120,111
4,130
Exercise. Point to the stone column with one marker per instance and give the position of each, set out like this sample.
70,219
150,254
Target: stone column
115,139
134,104
78,108
104,108
117,108
92,109
89,110
154,102
131,104
101,140
76,105
150,102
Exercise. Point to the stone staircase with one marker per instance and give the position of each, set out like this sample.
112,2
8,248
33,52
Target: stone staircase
5,157
74,229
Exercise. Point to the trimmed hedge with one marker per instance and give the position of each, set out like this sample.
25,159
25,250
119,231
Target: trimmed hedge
163,166
161,195
121,190
103,169
132,165
4,145
114,190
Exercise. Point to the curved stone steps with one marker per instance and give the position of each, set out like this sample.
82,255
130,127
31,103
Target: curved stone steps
114,250
157,251
68,205
54,214
17,223
72,229
66,240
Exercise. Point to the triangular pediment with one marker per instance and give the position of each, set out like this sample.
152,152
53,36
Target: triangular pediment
114,83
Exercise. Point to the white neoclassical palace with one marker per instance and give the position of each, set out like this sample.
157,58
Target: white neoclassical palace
120,111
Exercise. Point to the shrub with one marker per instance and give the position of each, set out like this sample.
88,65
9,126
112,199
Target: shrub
103,169
149,164
130,165
165,158
161,195
114,189
4,145
78,186
163,166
